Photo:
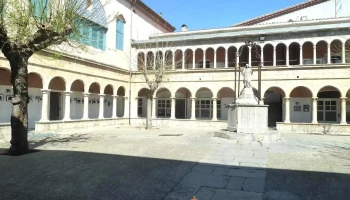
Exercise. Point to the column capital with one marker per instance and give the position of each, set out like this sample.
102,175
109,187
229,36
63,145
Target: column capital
287,98
315,46
126,98
172,98
314,98
68,93
102,95
343,98
214,98
301,47
86,94
115,96
45,90
193,98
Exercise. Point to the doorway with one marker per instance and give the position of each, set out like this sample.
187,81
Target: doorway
55,108
180,107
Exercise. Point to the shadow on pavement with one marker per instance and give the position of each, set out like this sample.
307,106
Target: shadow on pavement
83,175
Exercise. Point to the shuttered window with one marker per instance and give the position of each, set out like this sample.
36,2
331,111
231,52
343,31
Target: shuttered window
120,35
93,35
40,8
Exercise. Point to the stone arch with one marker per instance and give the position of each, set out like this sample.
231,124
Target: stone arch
199,57
204,92
301,104
336,51
109,89
328,104
140,61
226,92
150,60
108,101
178,59
231,56
220,57
244,57
301,91
294,54
268,55
94,100
121,101
94,88
57,83
209,58
274,98
183,93
77,86
256,49
329,91
281,50
321,52
5,76
163,93
188,59
169,59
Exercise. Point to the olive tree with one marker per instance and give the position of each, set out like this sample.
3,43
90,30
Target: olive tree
30,26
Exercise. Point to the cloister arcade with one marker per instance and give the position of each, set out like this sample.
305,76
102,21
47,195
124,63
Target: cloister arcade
54,98
287,53
299,105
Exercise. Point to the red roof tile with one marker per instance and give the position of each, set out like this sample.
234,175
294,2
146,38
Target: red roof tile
281,12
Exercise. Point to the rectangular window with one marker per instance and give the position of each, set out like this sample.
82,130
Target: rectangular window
120,35
164,108
204,108
92,34
40,9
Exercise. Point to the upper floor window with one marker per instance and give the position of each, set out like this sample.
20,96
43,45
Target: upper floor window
40,9
93,34
120,33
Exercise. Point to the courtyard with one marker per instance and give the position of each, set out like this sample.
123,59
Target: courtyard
176,163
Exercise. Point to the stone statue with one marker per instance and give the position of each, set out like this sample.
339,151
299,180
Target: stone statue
247,73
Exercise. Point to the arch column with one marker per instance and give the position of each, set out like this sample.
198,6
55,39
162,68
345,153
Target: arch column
250,56
287,112
154,110
67,105
173,61
287,55
194,60
215,109
314,110
343,110
193,108
45,108
262,56
126,107
343,53
172,115
215,59
274,56
226,59
114,106
136,106
100,113
328,53
183,60
86,106
204,61
301,62
314,56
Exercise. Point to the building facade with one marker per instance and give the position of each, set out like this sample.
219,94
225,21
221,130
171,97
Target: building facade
304,52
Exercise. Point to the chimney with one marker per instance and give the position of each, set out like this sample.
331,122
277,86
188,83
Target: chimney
184,28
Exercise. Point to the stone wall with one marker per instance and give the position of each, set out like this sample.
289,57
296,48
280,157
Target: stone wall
314,128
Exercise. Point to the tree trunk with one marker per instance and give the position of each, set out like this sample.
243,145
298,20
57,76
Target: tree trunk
149,112
19,116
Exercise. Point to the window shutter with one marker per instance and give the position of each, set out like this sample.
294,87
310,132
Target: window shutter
120,35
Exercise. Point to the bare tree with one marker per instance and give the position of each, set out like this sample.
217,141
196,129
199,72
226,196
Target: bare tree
27,27
155,66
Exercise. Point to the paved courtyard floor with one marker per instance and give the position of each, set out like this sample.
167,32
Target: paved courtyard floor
176,164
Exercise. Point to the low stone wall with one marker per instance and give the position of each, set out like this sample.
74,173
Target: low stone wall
5,132
51,126
181,122
313,128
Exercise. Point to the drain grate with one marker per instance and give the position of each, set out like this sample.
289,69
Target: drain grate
176,135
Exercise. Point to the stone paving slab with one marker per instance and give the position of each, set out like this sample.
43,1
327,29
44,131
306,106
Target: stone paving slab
203,168
221,194
235,183
183,192
209,180
205,193
251,160
247,173
254,185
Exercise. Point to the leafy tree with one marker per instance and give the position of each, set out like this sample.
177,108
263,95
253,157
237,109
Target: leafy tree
30,26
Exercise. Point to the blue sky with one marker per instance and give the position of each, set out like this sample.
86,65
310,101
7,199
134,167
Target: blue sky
203,14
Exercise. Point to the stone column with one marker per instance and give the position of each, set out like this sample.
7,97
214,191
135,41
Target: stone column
183,60
314,56
67,105
204,59
329,53
262,56
343,110
226,58
314,110
114,107
287,112
146,64
101,110
45,106
301,62
173,61
250,56
193,108
136,106
287,55
86,106
173,108
237,60
215,59
194,60
215,110
154,107
343,53
274,56
126,107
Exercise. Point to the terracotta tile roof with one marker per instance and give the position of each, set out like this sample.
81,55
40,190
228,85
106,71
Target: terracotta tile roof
278,13
153,15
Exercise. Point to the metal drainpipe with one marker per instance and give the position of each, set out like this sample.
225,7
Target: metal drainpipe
131,11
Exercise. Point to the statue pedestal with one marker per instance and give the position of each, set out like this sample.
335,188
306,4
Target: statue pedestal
245,118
